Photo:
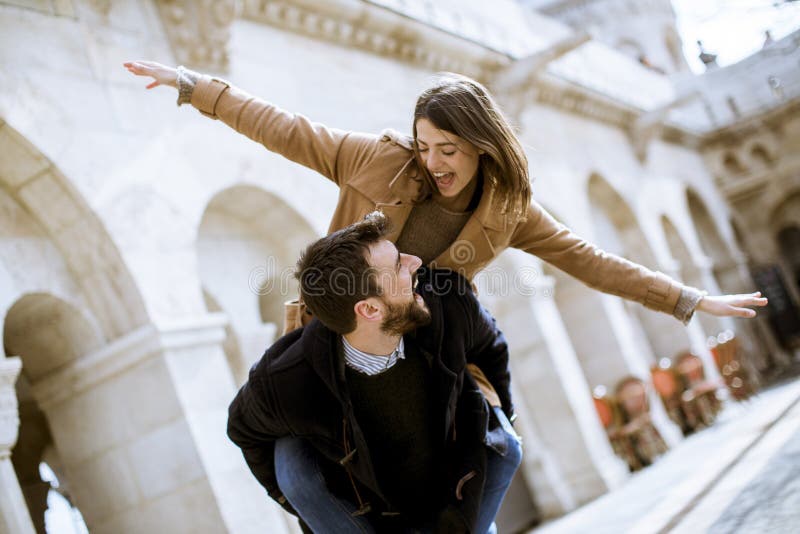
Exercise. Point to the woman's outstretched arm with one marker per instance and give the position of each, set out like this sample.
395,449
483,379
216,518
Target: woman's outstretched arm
544,237
335,154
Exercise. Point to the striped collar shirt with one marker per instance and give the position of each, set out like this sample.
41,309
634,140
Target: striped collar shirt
370,364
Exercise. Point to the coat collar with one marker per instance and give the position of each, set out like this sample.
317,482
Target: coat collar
321,347
410,184
488,211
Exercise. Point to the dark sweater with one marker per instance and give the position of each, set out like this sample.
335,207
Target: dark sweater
431,229
398,417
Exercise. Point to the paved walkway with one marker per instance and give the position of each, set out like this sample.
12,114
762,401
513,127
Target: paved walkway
740,475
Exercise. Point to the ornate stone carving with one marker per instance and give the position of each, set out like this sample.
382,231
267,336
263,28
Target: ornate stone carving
516,82
400,39
559,93
199,31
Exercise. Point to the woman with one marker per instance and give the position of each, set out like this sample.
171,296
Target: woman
457,193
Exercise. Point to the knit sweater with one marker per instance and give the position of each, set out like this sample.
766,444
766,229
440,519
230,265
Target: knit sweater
396,413
419,239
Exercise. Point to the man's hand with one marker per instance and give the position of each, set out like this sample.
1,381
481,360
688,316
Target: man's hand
732,305
161,74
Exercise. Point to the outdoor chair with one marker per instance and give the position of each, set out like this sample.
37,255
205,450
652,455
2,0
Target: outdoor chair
699,398
608,413
670,389
637,425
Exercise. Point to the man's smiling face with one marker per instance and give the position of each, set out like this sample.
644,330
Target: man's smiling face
403,308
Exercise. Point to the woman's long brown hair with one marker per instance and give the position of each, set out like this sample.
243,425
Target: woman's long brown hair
461,105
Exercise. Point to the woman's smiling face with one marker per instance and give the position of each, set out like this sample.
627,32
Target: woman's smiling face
451,160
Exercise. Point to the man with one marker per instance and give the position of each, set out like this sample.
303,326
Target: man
394,431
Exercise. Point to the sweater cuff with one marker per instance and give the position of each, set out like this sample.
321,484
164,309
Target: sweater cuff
187,79
687,303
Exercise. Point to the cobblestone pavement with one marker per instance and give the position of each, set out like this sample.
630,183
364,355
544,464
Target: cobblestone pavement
740,475
771,502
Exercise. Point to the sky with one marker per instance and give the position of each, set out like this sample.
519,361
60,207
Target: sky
732,29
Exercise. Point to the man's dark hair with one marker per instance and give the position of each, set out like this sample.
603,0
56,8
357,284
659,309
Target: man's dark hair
334,272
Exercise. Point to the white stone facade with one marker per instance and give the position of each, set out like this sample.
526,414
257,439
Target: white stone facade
145,250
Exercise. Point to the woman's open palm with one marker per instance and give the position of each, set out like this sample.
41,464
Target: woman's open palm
732,305
161,74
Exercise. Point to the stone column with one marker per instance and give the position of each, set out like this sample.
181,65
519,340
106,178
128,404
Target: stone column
14,516
568,459
140,425
603,336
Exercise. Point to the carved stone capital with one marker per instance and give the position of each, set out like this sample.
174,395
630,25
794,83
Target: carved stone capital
199,31
9,414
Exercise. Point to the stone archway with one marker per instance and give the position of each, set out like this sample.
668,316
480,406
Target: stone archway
590,329
617,230
568,460
727,270
32,181
48,334
64,293
689,273
727,266
138,419
614,338
247,245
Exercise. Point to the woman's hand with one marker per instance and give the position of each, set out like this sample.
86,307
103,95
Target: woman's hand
161,74
732,305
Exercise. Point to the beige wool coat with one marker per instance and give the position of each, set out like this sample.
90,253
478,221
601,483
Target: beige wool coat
382,173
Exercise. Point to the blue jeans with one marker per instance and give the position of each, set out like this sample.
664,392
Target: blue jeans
301,482
500,470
